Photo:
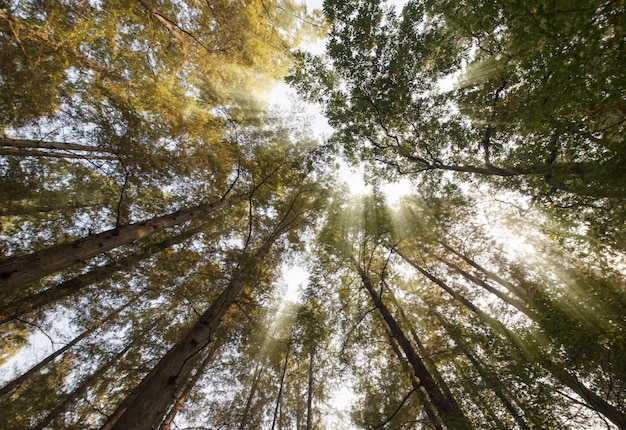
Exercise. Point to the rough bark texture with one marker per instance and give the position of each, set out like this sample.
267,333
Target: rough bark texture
144,409
10,311
16,272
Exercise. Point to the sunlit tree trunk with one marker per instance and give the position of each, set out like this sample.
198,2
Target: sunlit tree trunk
593,401
16,272
448,408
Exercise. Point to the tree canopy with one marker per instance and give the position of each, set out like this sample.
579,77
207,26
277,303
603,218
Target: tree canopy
154,203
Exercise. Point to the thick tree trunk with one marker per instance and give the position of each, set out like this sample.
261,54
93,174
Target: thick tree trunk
36,153
427,404
182,398
10,386
68,288
145,407
449,410
16,272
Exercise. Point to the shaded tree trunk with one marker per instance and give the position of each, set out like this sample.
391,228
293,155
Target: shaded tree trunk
42,144
36,153
16,272
182,398
10,311
426,403
10,386
449,410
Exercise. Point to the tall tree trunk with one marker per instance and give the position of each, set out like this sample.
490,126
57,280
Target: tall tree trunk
79,390
255,383
10,386
10,311
16,272
145,407
511,287
448,408
36,153
309,395
42,144
282,384
182,398
426,403
561,374
490,379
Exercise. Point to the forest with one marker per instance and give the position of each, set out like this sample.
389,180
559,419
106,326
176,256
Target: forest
179,249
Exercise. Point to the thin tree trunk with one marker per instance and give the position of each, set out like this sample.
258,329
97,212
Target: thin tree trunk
282,384
79,391
592,400
490,379
145,407
35,153
16,272
449,410
511,287
70,287
253,387
10,386
505,298
309,396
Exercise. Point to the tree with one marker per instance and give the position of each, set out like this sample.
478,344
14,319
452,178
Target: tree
505,120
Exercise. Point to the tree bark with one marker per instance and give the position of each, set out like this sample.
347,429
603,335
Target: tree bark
42,144
16,272
68,288
145,407
36,153
182,398
449,410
